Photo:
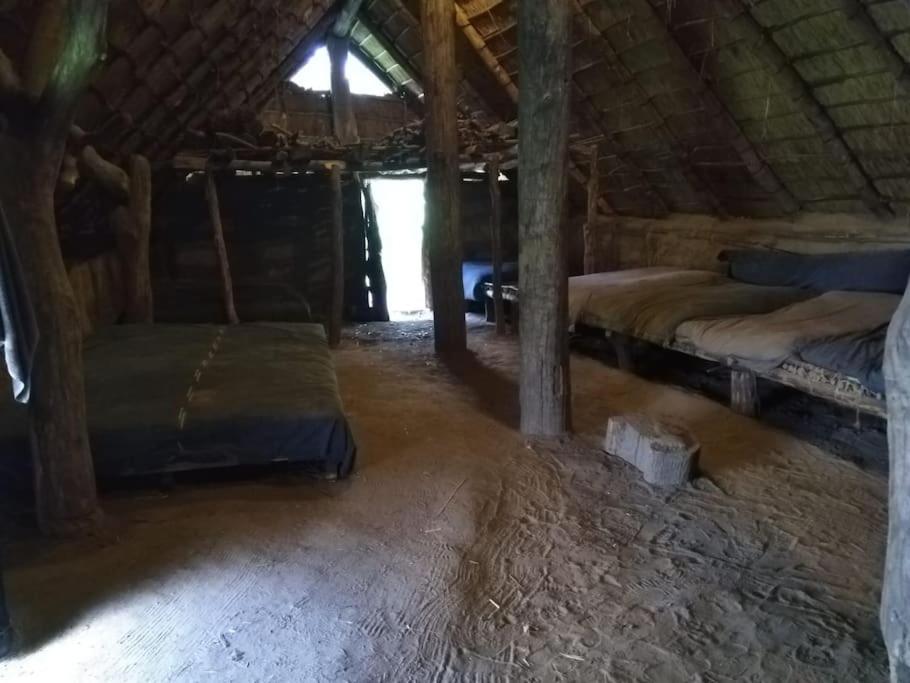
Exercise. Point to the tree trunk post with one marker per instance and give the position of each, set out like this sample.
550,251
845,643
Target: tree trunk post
590,229
133,225
895,610
496,243
544,54
344,122
224,265
443,189
336,314
40,98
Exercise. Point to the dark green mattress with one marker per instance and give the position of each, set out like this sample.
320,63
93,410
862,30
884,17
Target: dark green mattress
166,398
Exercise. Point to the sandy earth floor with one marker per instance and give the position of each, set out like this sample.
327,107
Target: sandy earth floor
460,552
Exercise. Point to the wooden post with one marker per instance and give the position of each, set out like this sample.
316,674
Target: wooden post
443,189
895,611
337,311
496,243
224,265
39,97
344,122
544,53
374,263
591,222
744,398
133,226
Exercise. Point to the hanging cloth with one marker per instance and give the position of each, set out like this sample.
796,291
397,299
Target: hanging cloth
18,331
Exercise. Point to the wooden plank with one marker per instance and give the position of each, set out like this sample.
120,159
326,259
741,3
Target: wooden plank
336,314
590,229
224,265
496,243
443,189
895,611
344,122
133,227
544,56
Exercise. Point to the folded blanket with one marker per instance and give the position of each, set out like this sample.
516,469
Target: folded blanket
763,342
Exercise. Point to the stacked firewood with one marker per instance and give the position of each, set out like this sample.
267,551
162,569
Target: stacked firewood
475,140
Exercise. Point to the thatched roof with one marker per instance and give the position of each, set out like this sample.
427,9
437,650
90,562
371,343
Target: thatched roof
729,107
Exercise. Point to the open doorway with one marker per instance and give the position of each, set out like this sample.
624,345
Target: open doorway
400,211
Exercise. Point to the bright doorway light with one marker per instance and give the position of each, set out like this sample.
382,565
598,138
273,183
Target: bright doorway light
316,75
400,209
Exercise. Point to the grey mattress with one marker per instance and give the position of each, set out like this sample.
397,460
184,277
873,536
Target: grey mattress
859,355
180,397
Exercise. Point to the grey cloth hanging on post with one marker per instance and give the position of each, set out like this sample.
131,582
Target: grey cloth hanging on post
18,331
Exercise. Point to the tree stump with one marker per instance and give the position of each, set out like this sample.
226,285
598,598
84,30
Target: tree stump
666,454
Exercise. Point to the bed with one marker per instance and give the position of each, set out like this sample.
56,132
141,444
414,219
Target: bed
476,274
651,303
168,398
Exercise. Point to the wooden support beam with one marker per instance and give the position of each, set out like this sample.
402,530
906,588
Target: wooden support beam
544,56
347,15
66,43
133,227
590,229
744,398
443,189
336,313
224,265
895,610
344,122
496,243
762,43
724,122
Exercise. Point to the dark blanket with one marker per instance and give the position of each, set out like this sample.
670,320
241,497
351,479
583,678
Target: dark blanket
18,331
859,355
876,271
475,273
173,397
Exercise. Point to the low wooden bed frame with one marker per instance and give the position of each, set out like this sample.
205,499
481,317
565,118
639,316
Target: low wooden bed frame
744,398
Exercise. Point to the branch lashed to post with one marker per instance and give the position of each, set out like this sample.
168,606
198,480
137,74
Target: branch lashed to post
224,265
496,242
443,188
337,312
544,54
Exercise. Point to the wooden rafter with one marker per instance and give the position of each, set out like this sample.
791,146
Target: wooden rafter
726,125
763,45
698,184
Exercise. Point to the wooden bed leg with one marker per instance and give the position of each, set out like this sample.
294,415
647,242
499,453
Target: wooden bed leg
895,611
622,345
744,397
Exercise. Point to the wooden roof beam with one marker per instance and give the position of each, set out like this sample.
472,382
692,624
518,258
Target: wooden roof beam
727,126
694,179
347,15
761,42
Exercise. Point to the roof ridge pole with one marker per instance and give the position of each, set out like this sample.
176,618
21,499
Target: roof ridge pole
347,15
761,42
697,184
726,125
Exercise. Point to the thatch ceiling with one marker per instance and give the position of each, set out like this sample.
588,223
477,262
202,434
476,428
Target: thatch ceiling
731,107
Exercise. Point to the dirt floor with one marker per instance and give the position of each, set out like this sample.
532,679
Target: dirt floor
460,551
